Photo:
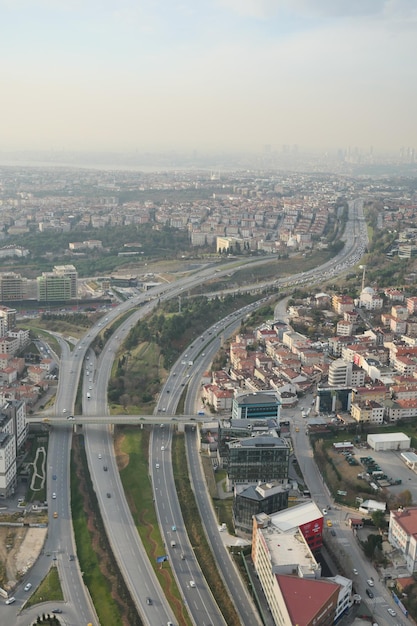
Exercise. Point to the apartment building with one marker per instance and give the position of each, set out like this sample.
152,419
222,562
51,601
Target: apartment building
402,534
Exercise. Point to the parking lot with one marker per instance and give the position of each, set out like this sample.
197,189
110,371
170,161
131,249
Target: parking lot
394,467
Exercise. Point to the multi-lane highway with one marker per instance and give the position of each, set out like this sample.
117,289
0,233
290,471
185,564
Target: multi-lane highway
60,542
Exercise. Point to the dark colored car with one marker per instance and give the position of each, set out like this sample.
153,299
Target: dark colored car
108,495
148,600
56,610
369,593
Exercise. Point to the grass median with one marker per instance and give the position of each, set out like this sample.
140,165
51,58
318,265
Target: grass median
101,574
132,449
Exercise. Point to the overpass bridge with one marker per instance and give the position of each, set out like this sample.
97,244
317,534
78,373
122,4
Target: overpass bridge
166,419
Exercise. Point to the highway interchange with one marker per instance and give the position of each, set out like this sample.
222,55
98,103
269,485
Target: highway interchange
125,542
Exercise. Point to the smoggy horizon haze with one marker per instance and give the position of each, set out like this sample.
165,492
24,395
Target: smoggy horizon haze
232,75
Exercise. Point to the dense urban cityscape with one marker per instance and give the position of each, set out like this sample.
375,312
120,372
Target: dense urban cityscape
280,311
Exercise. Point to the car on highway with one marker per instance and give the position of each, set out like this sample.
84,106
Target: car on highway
108,495
105,468
54,496
162,448
157,465
174,528
28,587
391,612
192,583
55,514
148,600
99,456
53,476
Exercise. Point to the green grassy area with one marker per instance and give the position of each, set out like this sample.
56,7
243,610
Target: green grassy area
91,543
37,441
146,374
49,590
132,450
89,561
196,532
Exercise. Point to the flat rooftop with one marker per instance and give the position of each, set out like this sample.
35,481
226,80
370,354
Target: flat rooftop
383,437
295,516
289,550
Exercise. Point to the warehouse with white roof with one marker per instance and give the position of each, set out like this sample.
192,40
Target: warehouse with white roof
389,441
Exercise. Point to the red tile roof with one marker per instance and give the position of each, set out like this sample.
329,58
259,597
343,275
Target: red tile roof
304,597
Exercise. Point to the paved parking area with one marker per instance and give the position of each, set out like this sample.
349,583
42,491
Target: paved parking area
393,466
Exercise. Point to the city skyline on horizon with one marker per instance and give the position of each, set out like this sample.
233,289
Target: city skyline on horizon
226,75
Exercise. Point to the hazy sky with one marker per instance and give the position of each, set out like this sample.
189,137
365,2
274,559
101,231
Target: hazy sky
207,74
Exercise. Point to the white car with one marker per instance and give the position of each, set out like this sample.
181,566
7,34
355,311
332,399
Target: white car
28,586
162,448
99,456
391,612
157,465
192,583
324,511
355,571
370,582
54,496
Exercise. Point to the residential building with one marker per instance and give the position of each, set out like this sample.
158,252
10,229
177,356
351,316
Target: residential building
402,534
8,472
8,317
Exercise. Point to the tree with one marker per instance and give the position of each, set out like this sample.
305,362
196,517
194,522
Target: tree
378,518
373,543
405,498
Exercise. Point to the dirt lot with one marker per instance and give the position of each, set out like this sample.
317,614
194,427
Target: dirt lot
19,549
